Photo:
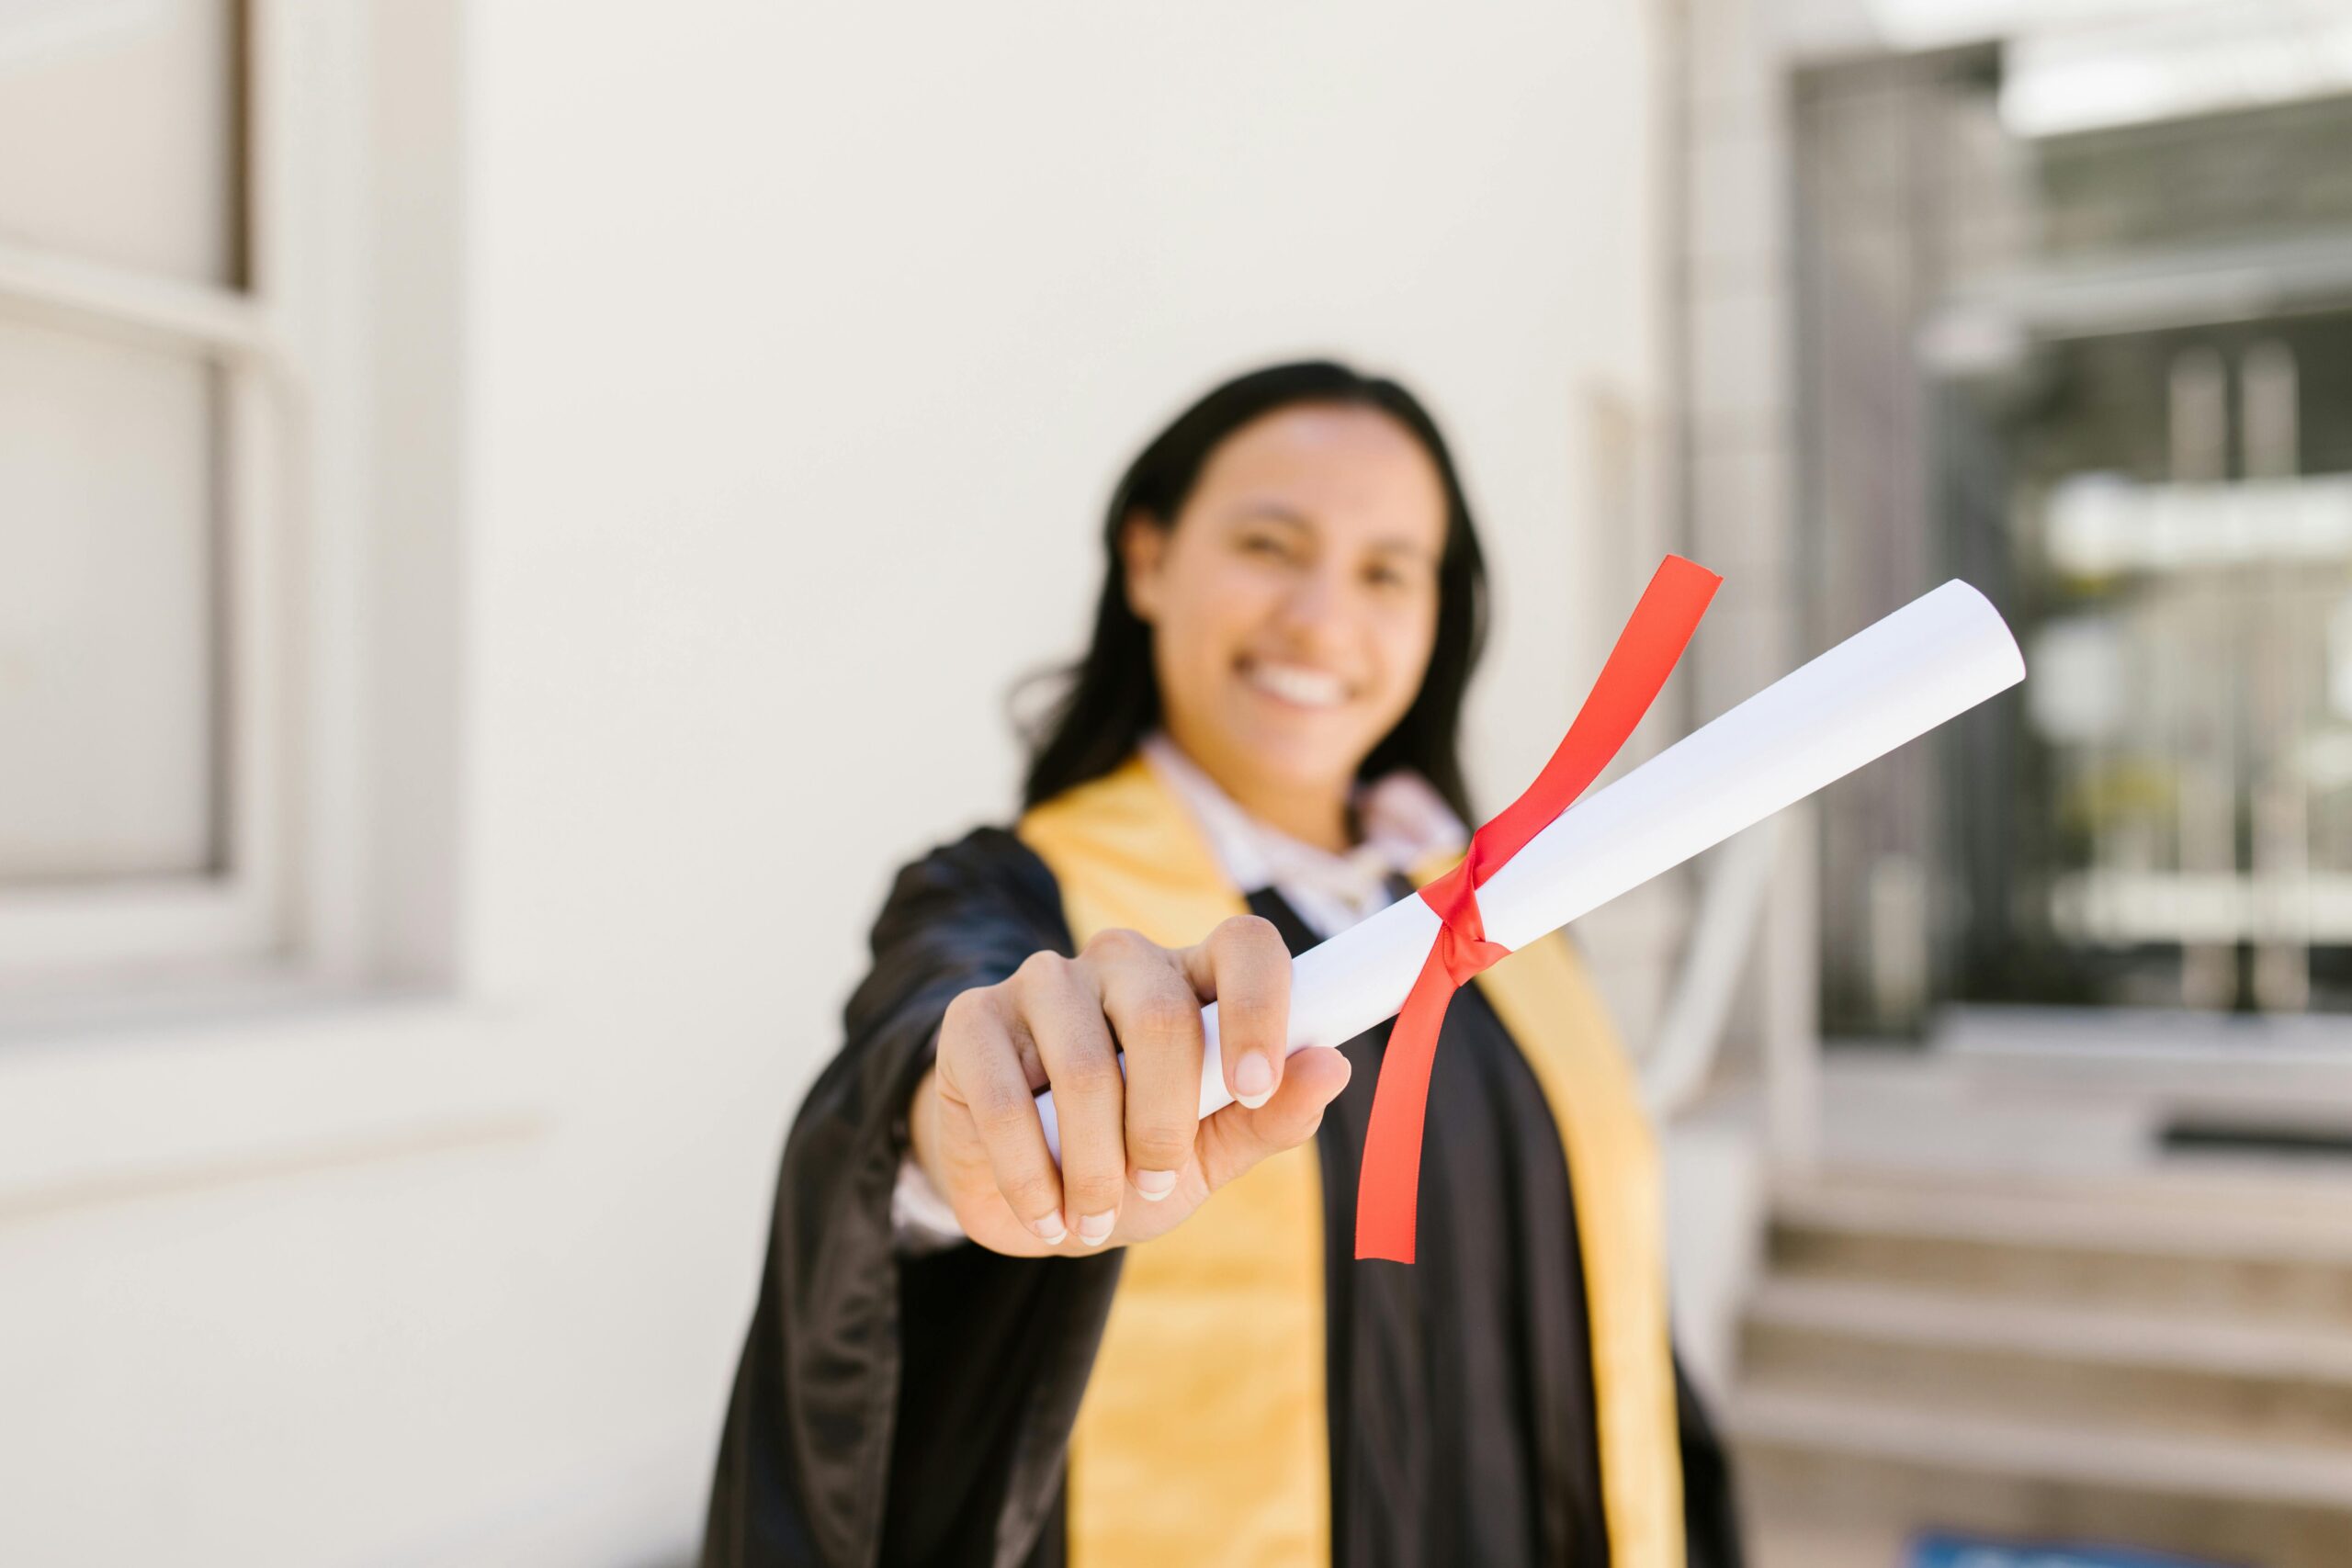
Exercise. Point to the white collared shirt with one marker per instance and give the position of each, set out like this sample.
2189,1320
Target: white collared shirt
1406,823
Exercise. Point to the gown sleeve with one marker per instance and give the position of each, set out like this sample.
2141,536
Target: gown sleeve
888,1408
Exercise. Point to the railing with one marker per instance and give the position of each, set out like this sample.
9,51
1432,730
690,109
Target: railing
1761,881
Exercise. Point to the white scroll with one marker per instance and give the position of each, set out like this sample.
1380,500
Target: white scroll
1936,658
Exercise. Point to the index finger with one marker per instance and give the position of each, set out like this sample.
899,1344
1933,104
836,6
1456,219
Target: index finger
1245,968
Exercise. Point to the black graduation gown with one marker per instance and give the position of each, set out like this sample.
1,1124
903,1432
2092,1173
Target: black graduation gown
891,1410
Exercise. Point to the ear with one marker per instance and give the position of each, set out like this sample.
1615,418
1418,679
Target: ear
1143,547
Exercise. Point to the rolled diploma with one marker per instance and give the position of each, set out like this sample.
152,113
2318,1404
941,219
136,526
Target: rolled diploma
1936,658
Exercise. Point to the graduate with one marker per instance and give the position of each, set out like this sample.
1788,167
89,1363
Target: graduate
1162,1349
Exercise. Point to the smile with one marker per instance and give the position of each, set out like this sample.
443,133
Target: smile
1296,683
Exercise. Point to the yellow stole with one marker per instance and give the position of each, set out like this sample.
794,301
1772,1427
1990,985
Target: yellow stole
1204,1434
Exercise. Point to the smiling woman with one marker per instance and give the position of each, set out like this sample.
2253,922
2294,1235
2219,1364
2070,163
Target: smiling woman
1326,544
1294,607
966,1352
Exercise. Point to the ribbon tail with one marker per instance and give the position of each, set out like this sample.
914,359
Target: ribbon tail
1645,654
1388,1189
1388,1192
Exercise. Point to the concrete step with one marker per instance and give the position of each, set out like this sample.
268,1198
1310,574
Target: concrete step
2098,1365
2166,1464
1902,1314
2185,1207
1838,1478
2281,1255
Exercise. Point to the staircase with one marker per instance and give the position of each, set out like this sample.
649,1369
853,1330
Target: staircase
2160,1361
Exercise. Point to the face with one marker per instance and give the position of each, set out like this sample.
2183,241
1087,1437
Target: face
1294,601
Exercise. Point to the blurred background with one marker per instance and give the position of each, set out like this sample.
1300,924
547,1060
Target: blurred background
515,516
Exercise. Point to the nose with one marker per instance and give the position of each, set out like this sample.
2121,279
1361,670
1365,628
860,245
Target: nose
1314,613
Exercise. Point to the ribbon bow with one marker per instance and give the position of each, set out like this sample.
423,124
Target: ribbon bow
1388,1191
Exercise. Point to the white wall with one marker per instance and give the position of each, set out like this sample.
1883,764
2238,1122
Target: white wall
801,346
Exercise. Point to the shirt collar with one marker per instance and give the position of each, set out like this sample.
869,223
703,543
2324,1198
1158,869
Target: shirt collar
1406,823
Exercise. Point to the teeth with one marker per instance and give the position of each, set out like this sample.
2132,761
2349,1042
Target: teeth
1295,684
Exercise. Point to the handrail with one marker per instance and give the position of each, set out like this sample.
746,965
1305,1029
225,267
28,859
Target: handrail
1690,1036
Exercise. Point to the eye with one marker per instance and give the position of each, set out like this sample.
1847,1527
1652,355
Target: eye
1271,547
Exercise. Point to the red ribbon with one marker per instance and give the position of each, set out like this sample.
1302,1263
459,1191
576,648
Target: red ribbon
1388,1191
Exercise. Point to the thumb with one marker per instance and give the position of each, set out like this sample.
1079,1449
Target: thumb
1238,1137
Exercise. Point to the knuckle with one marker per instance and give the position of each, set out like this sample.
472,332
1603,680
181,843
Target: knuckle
1160,1141
1249,1013
1040,968
1091,1078
1252,958
1245,1001
1029,1195
1093,1154
1000,1109
1247,933
966,1015
1117,945
1165,1017
1095,1189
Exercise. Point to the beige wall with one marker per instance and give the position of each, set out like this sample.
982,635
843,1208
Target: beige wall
800,349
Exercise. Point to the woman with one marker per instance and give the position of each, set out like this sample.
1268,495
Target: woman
1161,1351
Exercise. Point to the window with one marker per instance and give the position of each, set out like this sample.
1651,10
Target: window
147,438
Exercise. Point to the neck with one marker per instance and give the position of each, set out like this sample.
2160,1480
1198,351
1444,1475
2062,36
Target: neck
1319,820
1320,817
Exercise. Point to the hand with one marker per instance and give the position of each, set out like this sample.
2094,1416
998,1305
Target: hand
1137,1159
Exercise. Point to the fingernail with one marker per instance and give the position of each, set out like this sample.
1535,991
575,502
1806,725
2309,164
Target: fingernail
1154,1184
1253,1080
1095,1229
1051,1228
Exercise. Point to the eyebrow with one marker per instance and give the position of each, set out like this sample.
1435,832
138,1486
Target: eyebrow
1270,511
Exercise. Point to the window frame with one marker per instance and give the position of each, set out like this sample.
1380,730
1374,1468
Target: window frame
106,935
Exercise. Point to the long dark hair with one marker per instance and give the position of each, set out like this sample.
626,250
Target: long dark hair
1110,699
